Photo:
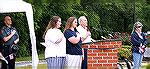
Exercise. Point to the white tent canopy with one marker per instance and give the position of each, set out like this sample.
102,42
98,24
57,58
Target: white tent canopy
9,6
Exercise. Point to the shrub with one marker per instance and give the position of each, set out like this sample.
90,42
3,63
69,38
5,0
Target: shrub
125,52
148,66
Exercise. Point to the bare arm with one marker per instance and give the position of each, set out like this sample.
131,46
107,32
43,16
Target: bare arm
16,41
74,39
9,36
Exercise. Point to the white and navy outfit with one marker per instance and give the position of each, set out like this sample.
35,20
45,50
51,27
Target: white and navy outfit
83,32
55,52
74,51
6,47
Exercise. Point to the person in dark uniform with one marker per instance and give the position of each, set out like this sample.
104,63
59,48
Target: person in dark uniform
8,46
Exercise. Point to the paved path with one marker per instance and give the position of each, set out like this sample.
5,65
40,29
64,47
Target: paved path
28,63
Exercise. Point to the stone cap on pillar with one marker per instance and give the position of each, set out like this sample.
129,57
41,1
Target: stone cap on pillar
110,43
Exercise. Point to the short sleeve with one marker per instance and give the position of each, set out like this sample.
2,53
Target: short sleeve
68,34
2,34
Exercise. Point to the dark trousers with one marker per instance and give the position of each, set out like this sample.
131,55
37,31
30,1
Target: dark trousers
10,65
84,62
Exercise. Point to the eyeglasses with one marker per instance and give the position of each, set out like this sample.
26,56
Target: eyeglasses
139,26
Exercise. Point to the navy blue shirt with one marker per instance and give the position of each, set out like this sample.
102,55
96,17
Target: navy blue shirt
72,49
136,41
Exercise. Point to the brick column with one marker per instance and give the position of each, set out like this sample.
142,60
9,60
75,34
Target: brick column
102,54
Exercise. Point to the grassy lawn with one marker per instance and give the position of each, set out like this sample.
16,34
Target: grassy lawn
40,66
40,56
143,67
44,66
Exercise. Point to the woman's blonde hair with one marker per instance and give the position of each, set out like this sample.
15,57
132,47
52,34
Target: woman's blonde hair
69,23
52,24
135,26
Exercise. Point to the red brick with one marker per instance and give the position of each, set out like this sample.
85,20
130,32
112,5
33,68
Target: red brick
102,46
117,46
119,42
97,51
93,46
107,57
110,46
112,60
96,58
115,57
108,50
90,51
102,54
89,65
106,43
92,61
91,58
97,65
113,43
102,61
112,54
115,50
107,64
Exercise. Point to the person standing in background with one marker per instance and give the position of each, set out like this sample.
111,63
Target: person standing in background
139,41
74,43
85,34
8,47
84,30
55,42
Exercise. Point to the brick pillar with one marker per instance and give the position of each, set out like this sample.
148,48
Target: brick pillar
102,54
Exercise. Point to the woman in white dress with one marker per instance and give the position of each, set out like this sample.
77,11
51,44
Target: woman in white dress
55,44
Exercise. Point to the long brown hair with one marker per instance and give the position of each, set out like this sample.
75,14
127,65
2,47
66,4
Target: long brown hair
69,23
52,24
